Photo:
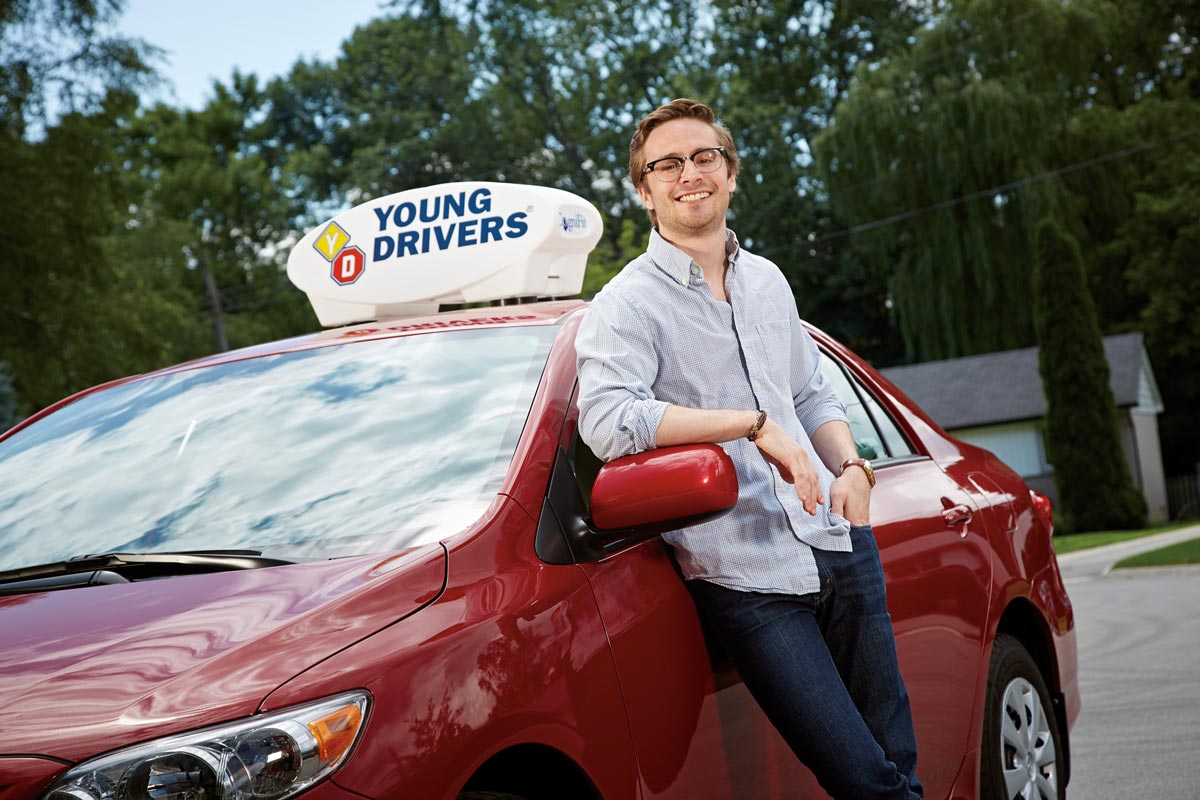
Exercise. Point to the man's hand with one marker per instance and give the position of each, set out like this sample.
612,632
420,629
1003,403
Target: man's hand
786,455
850,496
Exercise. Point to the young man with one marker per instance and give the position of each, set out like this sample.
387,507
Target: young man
699,341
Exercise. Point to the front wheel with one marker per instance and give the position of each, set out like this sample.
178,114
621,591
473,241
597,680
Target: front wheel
1022,751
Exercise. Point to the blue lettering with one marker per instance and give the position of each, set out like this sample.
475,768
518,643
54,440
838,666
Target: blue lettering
425,240
517,225
407,241
491,229
383,246
454,204
466,233
428,214
445,235
481,201
382,213
405,214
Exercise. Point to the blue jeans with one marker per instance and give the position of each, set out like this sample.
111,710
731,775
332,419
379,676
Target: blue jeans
823,668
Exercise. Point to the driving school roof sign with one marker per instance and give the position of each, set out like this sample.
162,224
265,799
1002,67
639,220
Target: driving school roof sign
406,253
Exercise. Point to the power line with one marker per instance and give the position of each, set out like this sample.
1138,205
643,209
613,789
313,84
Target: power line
944,204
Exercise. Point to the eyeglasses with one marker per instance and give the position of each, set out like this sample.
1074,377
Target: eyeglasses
708,159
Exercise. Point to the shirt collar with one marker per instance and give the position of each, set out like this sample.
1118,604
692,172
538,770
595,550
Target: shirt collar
678,265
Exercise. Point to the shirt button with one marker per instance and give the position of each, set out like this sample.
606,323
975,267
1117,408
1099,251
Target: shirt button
757,386
695,270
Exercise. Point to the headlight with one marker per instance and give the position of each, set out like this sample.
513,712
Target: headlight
268,757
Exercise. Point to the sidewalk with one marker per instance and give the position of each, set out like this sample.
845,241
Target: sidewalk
1096,562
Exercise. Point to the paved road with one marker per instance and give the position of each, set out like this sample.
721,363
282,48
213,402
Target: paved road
1139,671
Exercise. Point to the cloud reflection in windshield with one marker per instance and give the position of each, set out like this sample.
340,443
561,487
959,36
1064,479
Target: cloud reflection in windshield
362,447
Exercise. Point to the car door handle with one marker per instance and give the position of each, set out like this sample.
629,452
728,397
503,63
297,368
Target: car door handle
957,515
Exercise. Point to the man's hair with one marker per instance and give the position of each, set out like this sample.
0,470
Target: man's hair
682,108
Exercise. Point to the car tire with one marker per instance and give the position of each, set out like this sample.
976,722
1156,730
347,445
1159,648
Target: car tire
1022,753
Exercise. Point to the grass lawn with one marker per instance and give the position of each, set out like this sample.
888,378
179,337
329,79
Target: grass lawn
1069,543
1182,553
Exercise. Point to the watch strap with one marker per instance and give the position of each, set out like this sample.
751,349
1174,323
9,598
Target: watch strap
864,464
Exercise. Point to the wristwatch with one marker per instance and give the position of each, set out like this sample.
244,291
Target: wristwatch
859,462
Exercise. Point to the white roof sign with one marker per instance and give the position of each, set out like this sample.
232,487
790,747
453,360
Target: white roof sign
469,242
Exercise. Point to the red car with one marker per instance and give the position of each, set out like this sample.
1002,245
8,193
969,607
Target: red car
378,562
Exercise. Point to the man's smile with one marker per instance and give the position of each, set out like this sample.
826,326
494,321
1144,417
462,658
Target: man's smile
694,196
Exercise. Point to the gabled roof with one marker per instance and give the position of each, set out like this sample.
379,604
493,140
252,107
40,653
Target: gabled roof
1006,387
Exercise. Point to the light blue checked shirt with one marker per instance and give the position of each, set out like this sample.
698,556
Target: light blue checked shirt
656,336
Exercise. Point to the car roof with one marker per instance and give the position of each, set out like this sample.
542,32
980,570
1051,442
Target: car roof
544,313
549,312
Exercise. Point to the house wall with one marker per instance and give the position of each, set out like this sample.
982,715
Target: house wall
1144,427
1021,446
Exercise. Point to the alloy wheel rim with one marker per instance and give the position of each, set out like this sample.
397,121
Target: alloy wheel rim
1027,755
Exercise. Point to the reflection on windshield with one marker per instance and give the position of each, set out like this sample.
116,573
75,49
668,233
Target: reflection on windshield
363,447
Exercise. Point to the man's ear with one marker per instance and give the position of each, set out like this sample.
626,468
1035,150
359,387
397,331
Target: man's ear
732,182
644,193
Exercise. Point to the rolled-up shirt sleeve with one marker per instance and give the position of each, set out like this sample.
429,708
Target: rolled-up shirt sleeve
618,413
813,397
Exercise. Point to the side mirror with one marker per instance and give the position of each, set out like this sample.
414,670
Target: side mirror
664,489
633,499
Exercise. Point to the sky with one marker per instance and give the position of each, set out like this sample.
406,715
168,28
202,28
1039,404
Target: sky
205,39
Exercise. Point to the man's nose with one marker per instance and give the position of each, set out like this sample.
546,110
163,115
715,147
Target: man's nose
683,174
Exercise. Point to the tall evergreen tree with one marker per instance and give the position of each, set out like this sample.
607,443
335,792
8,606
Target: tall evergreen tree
1094,487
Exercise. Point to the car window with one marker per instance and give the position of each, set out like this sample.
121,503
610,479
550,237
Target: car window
586,465
363,447
876,435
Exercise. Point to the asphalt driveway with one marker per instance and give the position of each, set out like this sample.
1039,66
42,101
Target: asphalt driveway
1139,671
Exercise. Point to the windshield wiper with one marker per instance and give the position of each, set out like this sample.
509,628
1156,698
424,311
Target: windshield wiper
91,570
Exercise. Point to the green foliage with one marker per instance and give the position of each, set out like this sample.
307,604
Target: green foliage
58,56
210,197
873,137
1094,487
784,68
973,105
1155,247
8,399
74,314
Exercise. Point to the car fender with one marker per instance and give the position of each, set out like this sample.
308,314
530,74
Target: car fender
512,652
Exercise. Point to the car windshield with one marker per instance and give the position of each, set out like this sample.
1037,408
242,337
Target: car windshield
369,446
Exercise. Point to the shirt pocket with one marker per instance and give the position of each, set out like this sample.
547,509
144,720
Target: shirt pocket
773,343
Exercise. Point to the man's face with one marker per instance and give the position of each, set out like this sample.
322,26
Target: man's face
696,203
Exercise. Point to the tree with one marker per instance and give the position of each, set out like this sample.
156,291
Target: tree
784,68
212,207
8,399
57,57
1094,487
917,149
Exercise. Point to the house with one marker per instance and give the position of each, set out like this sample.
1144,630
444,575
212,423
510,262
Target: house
996,401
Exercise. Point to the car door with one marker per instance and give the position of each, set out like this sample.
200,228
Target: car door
936,558
696,730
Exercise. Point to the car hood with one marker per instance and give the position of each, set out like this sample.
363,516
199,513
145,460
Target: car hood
86,670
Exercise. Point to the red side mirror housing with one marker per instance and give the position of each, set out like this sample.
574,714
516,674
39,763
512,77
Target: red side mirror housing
663,489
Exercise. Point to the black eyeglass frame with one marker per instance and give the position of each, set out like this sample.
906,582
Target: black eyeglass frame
683,159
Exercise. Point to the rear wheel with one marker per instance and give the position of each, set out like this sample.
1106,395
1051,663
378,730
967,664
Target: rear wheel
1022,751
